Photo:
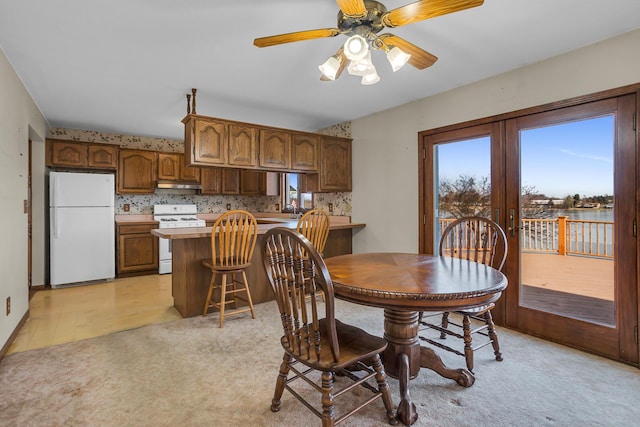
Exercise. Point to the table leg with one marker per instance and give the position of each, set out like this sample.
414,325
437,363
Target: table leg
430,360
404,357
407,413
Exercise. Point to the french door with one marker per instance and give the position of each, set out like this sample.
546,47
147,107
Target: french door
562,183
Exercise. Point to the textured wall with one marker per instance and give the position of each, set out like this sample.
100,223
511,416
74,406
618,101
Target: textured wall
20,121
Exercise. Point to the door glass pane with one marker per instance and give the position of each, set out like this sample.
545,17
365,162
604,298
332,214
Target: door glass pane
462,181
567,219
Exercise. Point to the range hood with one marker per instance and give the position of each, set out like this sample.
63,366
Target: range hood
178,185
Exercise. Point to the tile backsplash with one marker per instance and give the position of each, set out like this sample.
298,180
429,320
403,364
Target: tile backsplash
143,204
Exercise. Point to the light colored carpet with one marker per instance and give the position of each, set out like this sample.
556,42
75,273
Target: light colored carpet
191,373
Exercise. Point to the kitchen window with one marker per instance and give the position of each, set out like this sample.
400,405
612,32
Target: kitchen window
293,199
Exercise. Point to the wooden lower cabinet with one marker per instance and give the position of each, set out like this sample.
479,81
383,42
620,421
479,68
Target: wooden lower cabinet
137,249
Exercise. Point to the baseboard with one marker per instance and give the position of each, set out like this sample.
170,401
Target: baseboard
13,336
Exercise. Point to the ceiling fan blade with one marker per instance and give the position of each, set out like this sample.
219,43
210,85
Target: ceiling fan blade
352,8
425,9
296,37
420,59
343,64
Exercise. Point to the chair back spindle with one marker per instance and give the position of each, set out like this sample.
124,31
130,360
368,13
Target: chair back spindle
296,269
314,225
475,239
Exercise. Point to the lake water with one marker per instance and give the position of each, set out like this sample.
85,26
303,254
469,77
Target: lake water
588,214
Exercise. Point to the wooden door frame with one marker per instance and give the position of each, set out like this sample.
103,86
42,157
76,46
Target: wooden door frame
427,138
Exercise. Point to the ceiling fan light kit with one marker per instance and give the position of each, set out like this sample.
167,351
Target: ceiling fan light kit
397,58
330,67
362,20
356,47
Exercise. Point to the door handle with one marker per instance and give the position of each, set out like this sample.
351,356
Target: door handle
512,225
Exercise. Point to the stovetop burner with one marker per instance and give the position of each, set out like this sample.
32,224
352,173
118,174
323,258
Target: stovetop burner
177,216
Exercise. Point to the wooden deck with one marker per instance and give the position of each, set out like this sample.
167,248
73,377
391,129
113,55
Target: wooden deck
573,286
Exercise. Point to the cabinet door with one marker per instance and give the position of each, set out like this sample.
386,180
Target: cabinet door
275,149
335,165
305,151
136,172
230,181
210,142
103,156
70,154
188,173
168,166
242,145
211,181
137,252
251,182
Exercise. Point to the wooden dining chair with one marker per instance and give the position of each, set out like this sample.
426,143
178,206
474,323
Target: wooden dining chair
315,339
314,225
475,239
233,239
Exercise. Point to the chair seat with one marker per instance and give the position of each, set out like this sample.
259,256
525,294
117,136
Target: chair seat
355,345
476,311
224,269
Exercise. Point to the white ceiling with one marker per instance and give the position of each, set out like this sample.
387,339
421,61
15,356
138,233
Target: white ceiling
125,66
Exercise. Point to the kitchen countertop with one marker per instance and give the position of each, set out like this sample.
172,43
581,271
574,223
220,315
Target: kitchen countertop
198,232
120,219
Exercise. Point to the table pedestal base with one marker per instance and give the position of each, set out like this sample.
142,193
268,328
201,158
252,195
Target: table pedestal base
404,357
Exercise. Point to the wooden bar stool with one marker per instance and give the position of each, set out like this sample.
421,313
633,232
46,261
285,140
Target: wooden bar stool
233,239
314,225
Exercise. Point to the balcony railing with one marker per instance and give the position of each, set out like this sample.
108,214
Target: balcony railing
563,236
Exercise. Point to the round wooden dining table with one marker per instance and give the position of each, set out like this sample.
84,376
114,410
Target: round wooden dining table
404,284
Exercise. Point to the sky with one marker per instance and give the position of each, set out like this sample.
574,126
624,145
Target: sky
558,160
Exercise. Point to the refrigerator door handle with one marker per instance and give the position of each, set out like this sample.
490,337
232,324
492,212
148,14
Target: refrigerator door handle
56,223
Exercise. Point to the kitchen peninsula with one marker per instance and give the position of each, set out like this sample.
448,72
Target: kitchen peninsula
190,280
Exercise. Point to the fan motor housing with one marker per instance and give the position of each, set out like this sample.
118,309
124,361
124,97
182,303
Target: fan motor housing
372,19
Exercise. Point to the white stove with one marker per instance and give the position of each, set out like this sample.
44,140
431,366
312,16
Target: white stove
173,216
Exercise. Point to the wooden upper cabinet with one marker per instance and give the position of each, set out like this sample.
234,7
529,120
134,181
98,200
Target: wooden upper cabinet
137,171
188,173
102,156
275,149
335,164
242,145
211,181
81,155
63,153
335,168
168,166
305,151
230,181
236,145
252,182
205,141
171,166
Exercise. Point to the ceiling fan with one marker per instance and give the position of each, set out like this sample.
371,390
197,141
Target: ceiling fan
362,20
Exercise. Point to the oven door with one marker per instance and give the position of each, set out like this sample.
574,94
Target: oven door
164,249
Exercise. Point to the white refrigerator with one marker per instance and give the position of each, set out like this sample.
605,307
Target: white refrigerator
82,236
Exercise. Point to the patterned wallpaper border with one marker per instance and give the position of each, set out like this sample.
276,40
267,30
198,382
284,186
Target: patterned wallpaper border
143,204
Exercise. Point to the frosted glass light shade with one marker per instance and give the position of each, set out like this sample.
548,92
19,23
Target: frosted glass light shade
361,66
370,78
330,68
356,47
397,58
